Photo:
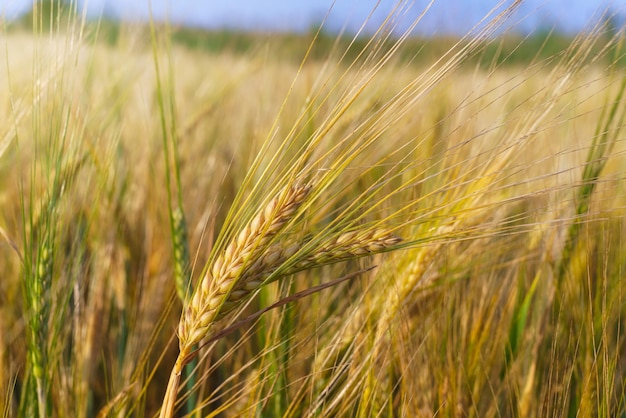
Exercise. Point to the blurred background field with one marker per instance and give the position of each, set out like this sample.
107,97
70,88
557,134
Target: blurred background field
498,160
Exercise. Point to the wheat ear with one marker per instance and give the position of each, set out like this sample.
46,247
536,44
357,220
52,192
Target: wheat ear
181,254
344,247
247,264
214,289
229,267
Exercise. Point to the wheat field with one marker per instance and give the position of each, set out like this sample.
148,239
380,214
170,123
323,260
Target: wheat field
372,230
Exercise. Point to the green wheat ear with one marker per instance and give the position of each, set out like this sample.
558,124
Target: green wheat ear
39,299
182,271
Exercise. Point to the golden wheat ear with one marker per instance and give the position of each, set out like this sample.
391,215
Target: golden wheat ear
256,256
215,290
231,267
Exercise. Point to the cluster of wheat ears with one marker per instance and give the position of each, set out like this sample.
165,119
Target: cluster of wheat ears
426,237
257,253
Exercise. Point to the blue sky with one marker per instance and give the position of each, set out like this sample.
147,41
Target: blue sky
445,16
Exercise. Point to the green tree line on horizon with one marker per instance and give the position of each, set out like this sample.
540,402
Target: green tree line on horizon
512,49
